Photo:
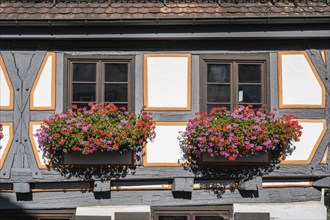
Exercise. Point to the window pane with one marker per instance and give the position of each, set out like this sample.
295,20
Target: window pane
249,73
116,72
115,93
83,92
218,93
219,73
84,72
172,218
210,106
209,218
249,93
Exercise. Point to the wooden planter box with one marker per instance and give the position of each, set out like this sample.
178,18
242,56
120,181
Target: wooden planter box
99,159
261,159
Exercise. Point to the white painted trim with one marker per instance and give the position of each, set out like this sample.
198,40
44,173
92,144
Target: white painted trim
309,210
110,210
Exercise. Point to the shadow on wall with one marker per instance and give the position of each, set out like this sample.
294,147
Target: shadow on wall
12,211
240,173
95,172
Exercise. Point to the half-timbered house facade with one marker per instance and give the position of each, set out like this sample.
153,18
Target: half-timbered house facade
164,57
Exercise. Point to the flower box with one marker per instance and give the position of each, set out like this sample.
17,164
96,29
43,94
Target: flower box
99,159
241,136
101,135
261,159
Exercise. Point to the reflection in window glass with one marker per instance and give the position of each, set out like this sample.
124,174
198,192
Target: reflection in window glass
249,73
100,80
251,93
232,82
84,92
115,93
218,93
115,72
219,73
84,72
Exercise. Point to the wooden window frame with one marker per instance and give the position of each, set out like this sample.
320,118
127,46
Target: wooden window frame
100,61
192,211
234,60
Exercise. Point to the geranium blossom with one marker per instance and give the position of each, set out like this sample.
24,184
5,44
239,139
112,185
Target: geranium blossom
99,128
239,133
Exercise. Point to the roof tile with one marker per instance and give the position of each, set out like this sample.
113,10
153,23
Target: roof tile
76,10
233,10
32,11
154,10
87,10
120,10
165,10
143,10
65,10
109,10
54,10
99,10
128,9
62,5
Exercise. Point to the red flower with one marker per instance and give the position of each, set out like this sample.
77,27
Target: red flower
231,158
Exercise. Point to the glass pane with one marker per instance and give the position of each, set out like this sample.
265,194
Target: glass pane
249,73
249,93
83,92
84,72
116,72
209,218
173,218
219,73
218,93
115,93
210,106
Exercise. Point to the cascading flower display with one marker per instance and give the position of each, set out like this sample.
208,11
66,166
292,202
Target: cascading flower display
239,133
1,133
98,128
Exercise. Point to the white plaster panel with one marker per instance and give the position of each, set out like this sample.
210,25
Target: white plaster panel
167,81
4,141
310,133
299,84
165,148
43,161
4,89
283,211
42,95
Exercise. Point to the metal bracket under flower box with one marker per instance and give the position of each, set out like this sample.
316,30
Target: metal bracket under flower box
99,159
261,159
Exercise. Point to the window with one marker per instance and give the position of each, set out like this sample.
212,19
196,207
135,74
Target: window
233,80
192,213
105,79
